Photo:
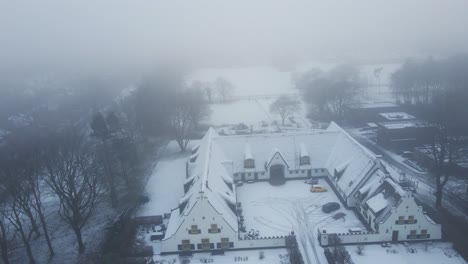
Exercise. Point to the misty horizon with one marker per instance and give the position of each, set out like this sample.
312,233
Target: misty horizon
138,35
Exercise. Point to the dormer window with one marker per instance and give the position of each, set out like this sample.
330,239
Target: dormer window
194,230
305,160
249,163
304,155
214,229
248,158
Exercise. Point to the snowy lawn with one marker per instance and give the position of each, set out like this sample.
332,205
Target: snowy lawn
273,210
436,253
271,256
166,184
249,112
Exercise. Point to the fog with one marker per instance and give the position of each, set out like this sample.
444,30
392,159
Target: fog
137,34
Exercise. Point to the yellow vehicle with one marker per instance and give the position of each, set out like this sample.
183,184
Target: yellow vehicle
318,188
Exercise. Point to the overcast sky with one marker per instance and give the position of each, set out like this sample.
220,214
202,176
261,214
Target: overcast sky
202,32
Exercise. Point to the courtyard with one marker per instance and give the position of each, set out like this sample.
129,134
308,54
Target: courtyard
278,210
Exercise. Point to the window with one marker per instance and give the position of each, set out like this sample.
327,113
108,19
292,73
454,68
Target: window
194,230
249,174
424,234
249,164
302,171
224,243
400,221
410,219
263,173
412,234
297,171
205,244
305,160
322,170
186,245
214,229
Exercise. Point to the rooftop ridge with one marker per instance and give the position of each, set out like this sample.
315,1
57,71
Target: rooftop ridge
206,165
356,143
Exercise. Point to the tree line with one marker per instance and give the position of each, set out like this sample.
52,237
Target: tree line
437,91
328,93
97,160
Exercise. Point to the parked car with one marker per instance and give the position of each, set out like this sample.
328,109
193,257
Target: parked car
312,181
354,230
318,188
407,154
330,207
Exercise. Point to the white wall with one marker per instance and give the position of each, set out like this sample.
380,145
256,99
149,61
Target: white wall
260,243
406,208
202,215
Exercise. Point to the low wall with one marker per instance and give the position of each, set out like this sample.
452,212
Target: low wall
264,242
353,238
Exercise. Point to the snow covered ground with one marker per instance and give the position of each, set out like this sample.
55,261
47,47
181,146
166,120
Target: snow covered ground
266,80
253,112
165,186
436,253
261,80
249,112
272,210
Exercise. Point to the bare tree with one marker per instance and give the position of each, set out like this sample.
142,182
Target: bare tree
104,129
73,175
26,146
223,87
188,111
285,106
445,146
331,92
4,243
19,210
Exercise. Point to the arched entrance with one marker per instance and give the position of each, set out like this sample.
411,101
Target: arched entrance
277,174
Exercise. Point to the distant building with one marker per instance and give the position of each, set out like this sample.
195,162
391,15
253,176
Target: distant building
404,134
208,218
363,113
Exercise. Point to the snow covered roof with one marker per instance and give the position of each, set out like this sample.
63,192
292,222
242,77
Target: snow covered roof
248,152
396,116
304,152
381,194
377,203
332,149
210,182
264,146
350,160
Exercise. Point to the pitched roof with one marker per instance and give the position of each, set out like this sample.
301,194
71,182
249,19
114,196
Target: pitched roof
210,182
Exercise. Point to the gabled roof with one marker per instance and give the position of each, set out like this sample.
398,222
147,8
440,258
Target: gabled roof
354,162
273,153
210,182
381,196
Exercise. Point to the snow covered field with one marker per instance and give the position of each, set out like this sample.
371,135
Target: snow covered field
436,253
273,210
165,186
253,113
249,112
266,80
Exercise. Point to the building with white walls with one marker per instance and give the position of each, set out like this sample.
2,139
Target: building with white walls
207,217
